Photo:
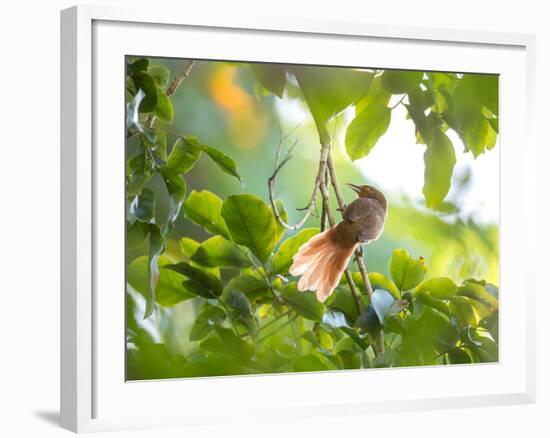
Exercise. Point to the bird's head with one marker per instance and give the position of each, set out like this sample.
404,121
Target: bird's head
366,191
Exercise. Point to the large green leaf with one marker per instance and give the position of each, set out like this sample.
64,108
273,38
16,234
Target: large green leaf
439,162
271,76
365,130
224,162
143,81
329,90
184,154
483,301
461,308
199,282
406,271
204,209
254,288
305,304
188,246
205,321
380,281
168,291
163,109
160,74
136,234
219,252
142,206
176,193
282,260
251,223
439,287
139,172
401,81
376,96
225,341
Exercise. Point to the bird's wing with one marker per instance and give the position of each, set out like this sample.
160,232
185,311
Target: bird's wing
369,216
362,207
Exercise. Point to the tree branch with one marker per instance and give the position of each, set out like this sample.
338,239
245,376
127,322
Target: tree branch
172,87
312,201
358,256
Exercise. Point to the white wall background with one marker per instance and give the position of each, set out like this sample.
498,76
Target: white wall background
29,199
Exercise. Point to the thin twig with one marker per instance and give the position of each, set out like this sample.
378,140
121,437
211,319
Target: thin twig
332,221
271,184
172,87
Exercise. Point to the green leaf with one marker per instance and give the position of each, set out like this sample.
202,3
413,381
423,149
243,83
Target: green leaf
200,282
421,99
401,81
176,191
251,223
161,146
434,303
219,252
484,302
160,74
271,76
136,234
142,206
254,288
239,301
310,363
156,248
305,304
376,96
228,343
205,321
461,308
168,291
282,260
143,81
476,135
458,356
184,154
439,288
139,172
164,109
225,163
380,281
188,246
204,209
406,271
140,64
439,162
330,90
365,130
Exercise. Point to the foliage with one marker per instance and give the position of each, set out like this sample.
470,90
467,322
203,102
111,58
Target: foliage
247,313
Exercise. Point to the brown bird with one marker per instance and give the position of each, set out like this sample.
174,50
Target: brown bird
323,258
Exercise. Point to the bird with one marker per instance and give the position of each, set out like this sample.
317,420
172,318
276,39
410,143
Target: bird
321,261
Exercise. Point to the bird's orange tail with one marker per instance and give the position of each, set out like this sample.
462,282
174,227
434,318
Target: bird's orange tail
321,262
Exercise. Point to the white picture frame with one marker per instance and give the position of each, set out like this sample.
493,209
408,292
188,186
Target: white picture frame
91,387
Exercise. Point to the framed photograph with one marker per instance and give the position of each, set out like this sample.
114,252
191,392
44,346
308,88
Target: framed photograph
253,208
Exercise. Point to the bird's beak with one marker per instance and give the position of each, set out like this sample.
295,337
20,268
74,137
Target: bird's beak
355,187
